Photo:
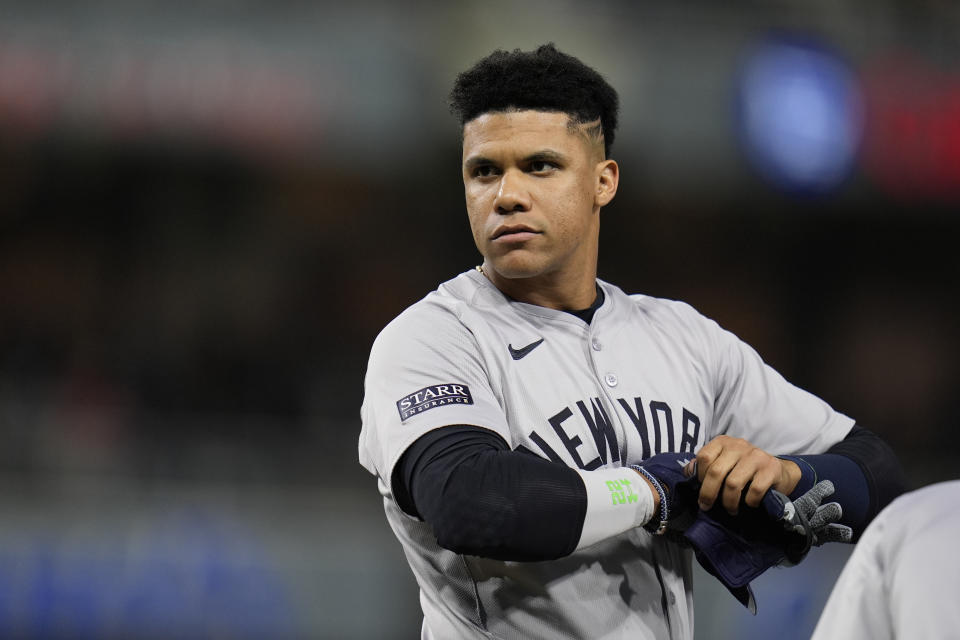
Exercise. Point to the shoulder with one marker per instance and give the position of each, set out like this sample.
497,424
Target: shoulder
664,314
666,309
435,319
647,305
677,325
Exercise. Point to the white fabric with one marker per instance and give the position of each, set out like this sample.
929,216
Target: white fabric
647,375
902,580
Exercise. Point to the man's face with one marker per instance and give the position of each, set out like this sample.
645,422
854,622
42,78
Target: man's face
534,186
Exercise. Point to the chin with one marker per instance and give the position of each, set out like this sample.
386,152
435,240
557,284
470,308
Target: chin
517,267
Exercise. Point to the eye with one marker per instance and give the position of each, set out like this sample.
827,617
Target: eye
484,171
542,166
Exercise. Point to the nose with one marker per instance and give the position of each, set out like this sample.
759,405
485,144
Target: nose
512,196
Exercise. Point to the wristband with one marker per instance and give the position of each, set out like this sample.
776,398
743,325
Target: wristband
808,476
664,509
617,501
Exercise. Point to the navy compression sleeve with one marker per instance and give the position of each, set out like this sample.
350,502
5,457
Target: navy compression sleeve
483,499
865,473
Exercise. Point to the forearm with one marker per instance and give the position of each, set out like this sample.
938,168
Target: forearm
483,499
865,472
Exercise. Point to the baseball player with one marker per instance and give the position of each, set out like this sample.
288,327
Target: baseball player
903,579
515,417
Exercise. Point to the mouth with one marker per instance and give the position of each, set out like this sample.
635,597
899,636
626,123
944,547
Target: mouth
517,232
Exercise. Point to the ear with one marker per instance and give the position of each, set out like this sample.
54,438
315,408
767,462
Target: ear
608,177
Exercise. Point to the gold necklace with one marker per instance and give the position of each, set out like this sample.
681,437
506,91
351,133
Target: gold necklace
479,268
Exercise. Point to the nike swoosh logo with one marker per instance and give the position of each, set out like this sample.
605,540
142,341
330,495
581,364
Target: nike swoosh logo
523,351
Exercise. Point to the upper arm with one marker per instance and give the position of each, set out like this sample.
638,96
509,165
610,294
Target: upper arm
425,371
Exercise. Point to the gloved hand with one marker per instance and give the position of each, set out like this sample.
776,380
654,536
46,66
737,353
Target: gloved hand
738,548
812,522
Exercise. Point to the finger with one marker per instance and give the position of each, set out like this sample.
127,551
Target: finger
753,474
715,448
707,454
824,488
834,533
737,483
713,477
808,502
830,512
820,491
766,473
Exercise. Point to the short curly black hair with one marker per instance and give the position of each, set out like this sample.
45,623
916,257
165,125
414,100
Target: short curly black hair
544,80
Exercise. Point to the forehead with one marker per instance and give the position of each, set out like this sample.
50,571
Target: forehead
520,131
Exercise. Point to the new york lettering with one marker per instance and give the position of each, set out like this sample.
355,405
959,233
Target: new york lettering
654,418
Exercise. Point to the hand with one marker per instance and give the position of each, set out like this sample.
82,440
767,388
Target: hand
737,549
733,469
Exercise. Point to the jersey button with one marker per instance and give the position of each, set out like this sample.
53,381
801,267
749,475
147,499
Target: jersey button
611,379
596,344
672,598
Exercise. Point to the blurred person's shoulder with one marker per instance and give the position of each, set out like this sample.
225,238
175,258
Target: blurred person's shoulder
929,503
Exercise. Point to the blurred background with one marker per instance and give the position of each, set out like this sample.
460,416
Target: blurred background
209,209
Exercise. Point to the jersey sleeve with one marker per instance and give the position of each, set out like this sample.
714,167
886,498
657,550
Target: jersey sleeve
754,402
425,372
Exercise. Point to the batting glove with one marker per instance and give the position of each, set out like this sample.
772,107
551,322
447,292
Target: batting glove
737,548
811,522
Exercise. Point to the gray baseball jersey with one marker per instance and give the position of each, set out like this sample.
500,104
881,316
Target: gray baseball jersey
903,579
645,376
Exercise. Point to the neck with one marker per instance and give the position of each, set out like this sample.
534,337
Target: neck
553,291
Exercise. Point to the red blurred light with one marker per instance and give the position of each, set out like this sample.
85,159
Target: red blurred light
911,146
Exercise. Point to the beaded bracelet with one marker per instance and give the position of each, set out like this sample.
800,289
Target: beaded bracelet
664,509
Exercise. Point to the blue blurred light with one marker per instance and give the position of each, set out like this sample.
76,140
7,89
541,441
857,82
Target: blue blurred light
800,115
192,575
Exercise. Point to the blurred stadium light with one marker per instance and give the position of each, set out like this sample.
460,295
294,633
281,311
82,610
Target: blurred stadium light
912,146
801,114
202,91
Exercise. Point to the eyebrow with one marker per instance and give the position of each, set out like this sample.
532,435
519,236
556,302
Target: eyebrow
544,155
476,161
